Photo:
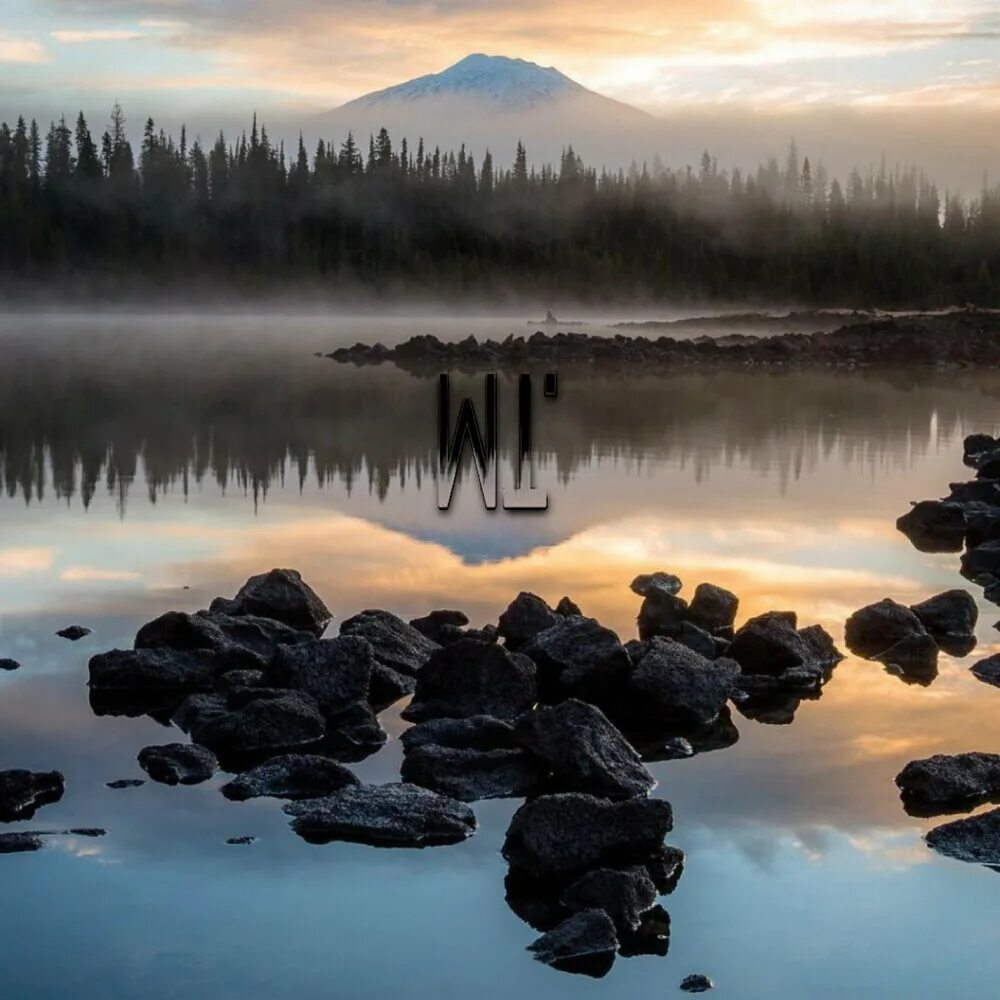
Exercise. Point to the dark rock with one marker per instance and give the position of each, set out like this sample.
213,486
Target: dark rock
274,721
822,650
87,831
240,679
975,491
19,843
623,895
567,608
914,658
154,670
656,583
677,748
125,783
672,685
7,664
713,608
178,763
989,466
23,792
984,558
584,943
934,526
473,678
478,732
579,657
73,632
771,644
354,734
396,815
525,617
977,445
388,685
981,526
583,751
567,833
988,670
282,595
469,775
696,983
396,644
698,639
441,627
661,614
335,672
291,776
975,840
939,783
665,867
241,841
948,616
875,628
651,937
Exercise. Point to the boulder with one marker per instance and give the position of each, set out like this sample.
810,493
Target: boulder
525,617
154,670
579,657
915,658
975,840
478,732
8,664
771,644
388,685
934,526
981,526
126,783
559,835
584,943
672,685
984,559
335,672
396,644
696,983
939,783
73,632
178,763
240,679
875,628
624,895
665,867
568,608
988,670
473,678
713,608
23,792
651,937
355,733
396,815
469,774
661,614
282,595
948,616
291,776
583,751
20,843
441,627
977,445
698,639
656,583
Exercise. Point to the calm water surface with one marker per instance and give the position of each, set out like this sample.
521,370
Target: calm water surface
150,464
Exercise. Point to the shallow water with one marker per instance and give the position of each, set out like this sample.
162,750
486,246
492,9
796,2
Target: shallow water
150,464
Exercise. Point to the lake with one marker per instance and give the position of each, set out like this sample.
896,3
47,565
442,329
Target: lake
152,463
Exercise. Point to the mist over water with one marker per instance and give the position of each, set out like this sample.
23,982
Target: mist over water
152,463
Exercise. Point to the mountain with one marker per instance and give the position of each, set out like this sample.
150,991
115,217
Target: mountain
495,101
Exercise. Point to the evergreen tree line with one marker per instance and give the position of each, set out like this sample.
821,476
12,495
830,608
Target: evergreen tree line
248,215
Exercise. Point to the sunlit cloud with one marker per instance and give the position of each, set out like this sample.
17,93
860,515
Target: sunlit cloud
20,50
68,36
85,574
19,561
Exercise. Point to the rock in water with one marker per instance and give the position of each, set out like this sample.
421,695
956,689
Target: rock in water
696,983
470,775
245,841
335,672
975,840
125,783
8,664
975,446
470,678
478,732
525,617
397,645
567,608
988,670
23,792
914,658
282,595
442,626
948,616
395,815
713,608
73,632
567,833
660,583
672,685
623,895
578,657
771,644
154,670
178,763
19,843
584,943
934,526
960,780
877,627
661,614
984,558
584,751
291,776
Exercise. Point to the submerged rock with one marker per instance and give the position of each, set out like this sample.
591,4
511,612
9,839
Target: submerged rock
245,841
578,657
154,670
8,664
396,815
659,582
584,751
584,943
772,644
935,784
566,833
178,763
282,595
396,644
469,774
24,792
624,895
696,983
125,783
470,678
525,617
291,776
20,843
877,627
975,840
912,658
73,632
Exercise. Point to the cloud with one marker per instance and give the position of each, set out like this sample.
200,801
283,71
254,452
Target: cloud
71,36
17,562
91,574
15,49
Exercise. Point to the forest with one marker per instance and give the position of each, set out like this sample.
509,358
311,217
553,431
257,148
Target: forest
92,213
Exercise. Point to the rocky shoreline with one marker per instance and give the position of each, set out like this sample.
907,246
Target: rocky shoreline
966,338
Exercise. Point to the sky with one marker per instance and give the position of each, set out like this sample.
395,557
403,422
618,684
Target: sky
912,63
